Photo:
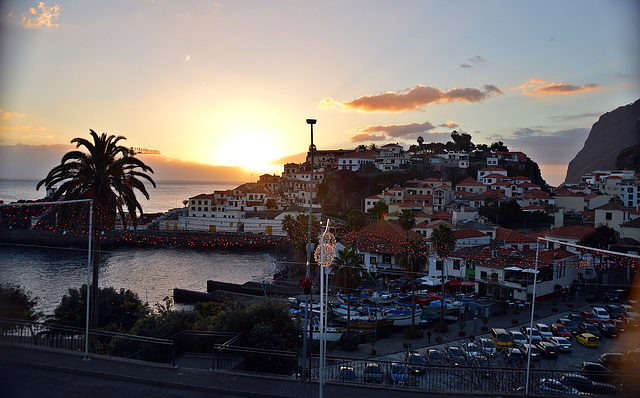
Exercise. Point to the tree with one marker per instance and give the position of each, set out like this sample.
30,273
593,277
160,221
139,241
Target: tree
265,324
443,241
185,202
347,272
407,220
498,146
356,219
118,310
462,142
109,175
412,259
601,238
16,303
379,209
297,230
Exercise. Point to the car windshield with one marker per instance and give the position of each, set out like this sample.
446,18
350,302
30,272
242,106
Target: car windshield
590,327
569,323
561,329
435,355
543,328
561,340
503,338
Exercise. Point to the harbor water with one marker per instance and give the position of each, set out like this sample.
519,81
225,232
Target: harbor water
151,272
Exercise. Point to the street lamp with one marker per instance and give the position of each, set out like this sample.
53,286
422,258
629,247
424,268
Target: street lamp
310,122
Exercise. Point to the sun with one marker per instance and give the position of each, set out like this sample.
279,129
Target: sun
250,150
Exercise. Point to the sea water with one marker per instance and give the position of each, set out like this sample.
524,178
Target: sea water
151,272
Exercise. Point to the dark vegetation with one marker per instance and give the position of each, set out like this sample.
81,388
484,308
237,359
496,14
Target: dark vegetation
264,323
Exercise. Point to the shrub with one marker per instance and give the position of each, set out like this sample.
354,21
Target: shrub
412,333
441,327
348,342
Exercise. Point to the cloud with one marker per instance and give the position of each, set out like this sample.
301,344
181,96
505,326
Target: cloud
535,87
42,16
449,125
566,118
473,60
8,115
397,130
367,137
409,100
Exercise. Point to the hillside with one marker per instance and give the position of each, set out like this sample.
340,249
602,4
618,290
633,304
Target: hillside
613,132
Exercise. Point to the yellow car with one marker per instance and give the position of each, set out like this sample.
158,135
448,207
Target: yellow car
587,340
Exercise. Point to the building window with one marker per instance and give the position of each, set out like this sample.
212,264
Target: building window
438,265
199,208
372,260
608,216
361,257
456,264
483,275
386,259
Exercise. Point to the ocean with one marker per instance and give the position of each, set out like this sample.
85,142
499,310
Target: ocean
151,272
167,194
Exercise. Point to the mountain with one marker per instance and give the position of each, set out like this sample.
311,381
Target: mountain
613,132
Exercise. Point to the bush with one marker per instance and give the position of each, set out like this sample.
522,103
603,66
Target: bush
15,303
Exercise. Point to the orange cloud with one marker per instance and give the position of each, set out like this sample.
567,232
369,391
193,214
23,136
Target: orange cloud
409,100
536,87
449,124
8,115
367,137
42,16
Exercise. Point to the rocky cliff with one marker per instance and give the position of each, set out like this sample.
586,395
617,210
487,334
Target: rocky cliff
613,132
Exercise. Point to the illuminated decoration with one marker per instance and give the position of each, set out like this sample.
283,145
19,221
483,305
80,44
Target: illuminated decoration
324,255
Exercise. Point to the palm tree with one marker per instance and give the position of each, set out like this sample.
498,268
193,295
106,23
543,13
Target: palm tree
107,173
407,220
412,259
347,272
443,241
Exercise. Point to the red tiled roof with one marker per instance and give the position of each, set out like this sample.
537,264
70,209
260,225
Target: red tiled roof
442,215
382,237
511,236
469,181
574,231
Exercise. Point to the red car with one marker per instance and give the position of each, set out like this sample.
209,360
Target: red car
559,330
619,324
590,317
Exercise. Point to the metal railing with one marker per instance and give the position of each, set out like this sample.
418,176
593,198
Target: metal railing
254,360
47,335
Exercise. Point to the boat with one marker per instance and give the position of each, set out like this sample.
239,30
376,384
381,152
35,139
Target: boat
331,333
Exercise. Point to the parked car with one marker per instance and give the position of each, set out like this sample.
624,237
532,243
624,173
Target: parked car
553,386
518,338
568,324
586,386
579,382
562,343
488,348
618,295
471,350
590,328
415,362
614,311
398,373
558,329
535,334
514,356
544,330
455,356
372,373
346,373
607,329
434,357
620,324
547,349
601,313
629,311
587,340
612,360
576,318
597,372
535,353
589,316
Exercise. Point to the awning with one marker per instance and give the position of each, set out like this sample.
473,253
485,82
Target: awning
468,283
453,282
530,271
513,269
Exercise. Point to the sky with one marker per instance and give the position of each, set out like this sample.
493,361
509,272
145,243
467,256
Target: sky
213,84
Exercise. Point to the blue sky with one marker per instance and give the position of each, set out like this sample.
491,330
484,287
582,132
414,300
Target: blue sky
232,82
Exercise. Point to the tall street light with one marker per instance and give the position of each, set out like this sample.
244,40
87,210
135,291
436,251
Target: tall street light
310,122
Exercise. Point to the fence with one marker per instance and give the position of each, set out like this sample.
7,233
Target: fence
68,338
255,360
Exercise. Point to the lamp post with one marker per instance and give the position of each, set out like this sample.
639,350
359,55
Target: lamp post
324,254
310,122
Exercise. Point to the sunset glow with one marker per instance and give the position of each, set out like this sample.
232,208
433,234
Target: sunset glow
231,83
